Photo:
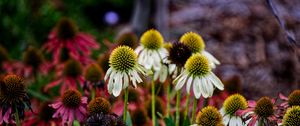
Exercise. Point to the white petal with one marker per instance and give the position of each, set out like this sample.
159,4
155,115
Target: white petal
138,49
126,80
133,80
141,59
156,75
239,121
117,85
172,68
188,84
181,82
136,76
234,121
164,74
226,119
203,87
216,81
108,72
196,89
210,87
222,111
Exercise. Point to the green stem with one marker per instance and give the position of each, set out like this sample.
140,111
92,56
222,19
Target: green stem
187,106
153,103
205,102
17,117
125,104
168,100
260,122
194,110
93,95
178,93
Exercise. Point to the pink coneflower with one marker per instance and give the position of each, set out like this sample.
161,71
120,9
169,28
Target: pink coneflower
13,99
68,75
66,37
42,118
33,63
292,100
261,112
69,107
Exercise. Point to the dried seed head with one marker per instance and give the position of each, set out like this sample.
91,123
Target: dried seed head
72,68
99,105
66,29
93,73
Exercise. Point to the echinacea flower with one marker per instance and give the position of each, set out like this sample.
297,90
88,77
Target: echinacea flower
68,75
198,73
124,69
230,106
70,106
178,55
292,100
13,98
195,42
151,51
43,117
208,116
127,39
99,105
261,111
66,37
292,117
93,75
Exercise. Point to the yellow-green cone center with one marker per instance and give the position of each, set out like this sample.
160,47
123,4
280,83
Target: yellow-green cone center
71,98
197,65
209,116
292,117
294,98
193,41
123,58
234,103
264,107
152,39
99,105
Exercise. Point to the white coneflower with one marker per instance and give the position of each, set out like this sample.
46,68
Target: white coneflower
198,72
123,69
195,42
231,105
151,51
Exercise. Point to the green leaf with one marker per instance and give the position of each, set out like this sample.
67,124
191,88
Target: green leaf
38,95
186,122
128,119
76,123
169,121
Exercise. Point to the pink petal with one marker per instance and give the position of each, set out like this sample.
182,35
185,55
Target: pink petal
52,84
79,115
253,121
56,105
251,103
281,96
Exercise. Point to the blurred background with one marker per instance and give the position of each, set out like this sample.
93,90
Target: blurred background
244,35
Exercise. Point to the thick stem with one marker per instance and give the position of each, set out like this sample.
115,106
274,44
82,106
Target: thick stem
18,123
125,104
187,106
168,100
195,102
178,93
153,103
